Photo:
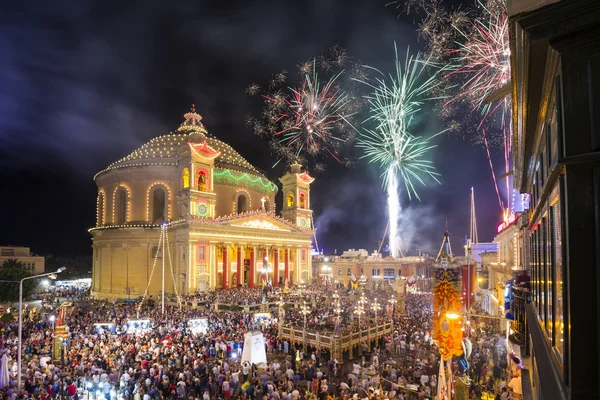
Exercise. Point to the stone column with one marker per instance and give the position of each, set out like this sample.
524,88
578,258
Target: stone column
226,268
286,263
251,282
265,271
275,267
239,269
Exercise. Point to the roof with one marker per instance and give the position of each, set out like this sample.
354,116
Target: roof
164,150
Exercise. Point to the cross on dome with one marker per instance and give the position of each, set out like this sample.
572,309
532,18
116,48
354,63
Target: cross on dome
192,122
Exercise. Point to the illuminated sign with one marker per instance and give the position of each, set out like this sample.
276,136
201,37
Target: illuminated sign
509,220
198,325
137,325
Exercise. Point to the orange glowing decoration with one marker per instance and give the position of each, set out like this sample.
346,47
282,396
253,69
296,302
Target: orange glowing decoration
304,177
204,150
447,322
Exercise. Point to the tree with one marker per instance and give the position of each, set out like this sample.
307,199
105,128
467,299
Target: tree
12,270
13,263
7,318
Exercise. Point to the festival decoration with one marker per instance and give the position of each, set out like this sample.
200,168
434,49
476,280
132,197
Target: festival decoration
447,323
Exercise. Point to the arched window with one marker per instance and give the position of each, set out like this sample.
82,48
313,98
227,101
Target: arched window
186,178
120,206
159,206
100,220
302,201
242,204
202,181
290,200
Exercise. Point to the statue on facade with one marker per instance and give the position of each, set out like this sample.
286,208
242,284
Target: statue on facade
286,288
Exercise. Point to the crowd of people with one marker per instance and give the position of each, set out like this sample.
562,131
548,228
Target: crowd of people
169,360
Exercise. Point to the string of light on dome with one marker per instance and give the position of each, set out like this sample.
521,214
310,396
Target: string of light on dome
128,226
127,201
101,219
153,149
153,268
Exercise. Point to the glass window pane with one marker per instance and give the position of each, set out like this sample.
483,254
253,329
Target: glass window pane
532,260
559,326
542,275
549,277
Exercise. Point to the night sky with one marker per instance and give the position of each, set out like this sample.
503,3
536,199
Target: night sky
85,83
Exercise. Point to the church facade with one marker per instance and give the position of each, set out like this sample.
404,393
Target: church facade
190,202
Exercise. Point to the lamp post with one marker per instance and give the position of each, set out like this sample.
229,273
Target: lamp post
376,307
163,227
305,311
392,302
359,311
20,332
281,303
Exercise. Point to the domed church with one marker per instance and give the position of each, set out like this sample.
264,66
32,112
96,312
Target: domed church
217,213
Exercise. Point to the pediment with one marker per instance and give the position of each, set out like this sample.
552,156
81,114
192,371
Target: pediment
263,221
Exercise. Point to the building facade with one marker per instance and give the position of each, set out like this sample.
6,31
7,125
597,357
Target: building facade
34,264
342,269
487,284
555,57
190,201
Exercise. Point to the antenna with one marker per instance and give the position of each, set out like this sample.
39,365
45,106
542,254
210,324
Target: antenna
473,236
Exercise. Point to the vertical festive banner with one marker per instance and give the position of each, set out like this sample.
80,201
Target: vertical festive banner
447,323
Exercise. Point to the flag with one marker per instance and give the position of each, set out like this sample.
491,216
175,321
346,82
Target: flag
442,389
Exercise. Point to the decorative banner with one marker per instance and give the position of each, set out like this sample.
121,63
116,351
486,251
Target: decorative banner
446,297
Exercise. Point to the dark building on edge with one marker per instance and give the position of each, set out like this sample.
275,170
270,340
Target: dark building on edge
555,57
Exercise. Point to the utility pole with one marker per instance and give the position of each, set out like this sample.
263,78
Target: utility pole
164,233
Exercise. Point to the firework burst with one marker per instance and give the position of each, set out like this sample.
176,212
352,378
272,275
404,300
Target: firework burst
482,61
312,120
394,103
392,144
472,45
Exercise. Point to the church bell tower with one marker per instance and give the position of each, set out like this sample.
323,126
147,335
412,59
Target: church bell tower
198,169
296,197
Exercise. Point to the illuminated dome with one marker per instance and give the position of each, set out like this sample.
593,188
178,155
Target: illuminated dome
164,150
212,210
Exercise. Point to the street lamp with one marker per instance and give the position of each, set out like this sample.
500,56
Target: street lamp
359,311
281,303
392,302
305,311
376,307
20,333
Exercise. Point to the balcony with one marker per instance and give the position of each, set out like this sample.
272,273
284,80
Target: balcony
522,297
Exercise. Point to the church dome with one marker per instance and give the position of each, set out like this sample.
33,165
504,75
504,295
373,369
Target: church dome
165,149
